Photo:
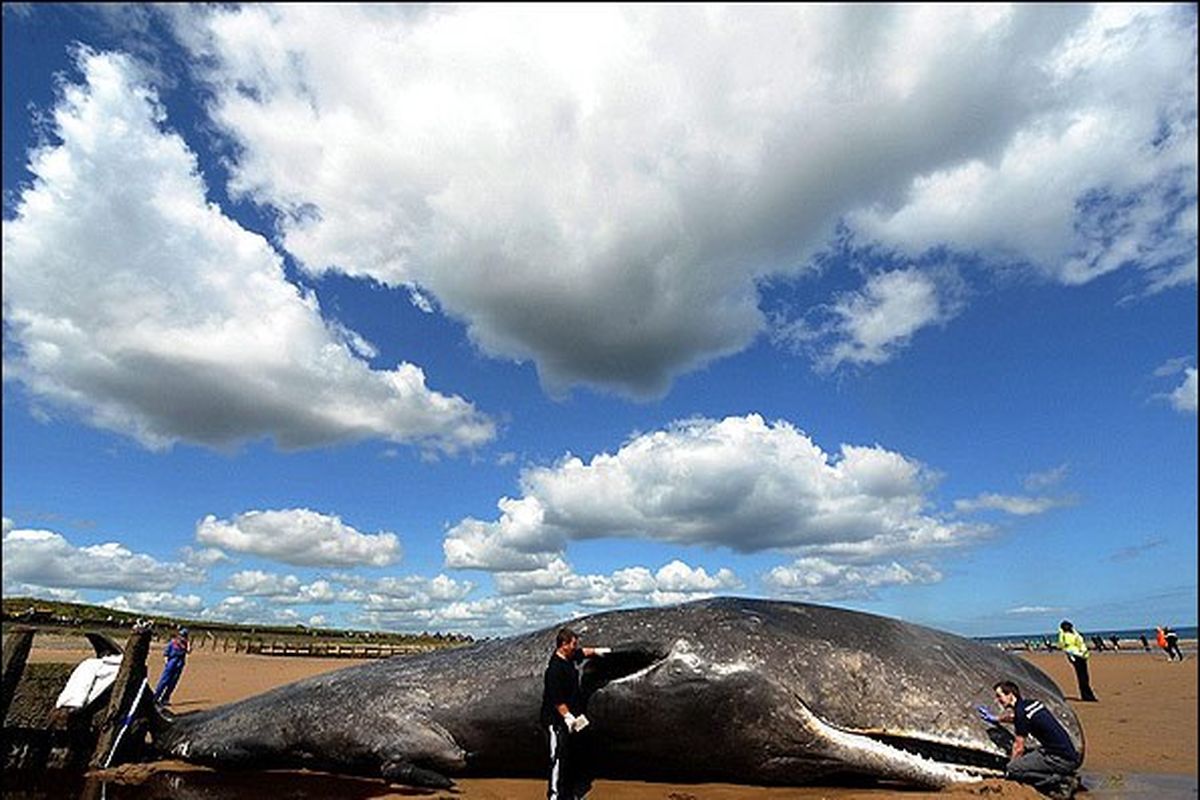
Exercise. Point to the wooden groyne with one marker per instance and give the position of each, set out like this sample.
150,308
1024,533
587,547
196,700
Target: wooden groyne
38,736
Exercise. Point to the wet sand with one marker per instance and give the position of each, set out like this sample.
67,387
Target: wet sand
1141,737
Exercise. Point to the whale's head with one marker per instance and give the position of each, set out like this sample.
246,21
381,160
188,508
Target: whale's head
791,693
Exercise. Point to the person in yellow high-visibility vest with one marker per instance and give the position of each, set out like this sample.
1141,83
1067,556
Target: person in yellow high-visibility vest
1071,642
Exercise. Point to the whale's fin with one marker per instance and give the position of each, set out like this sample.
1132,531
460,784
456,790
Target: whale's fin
405,772
422,754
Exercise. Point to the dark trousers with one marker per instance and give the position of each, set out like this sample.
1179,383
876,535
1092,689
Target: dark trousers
570,767
1081,675
1043,771
1173,651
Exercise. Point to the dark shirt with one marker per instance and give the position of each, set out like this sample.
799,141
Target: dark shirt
561,686
1032,717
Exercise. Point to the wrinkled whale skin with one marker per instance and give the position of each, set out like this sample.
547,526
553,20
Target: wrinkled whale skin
729,689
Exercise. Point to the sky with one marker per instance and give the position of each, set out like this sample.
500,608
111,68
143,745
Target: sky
478,318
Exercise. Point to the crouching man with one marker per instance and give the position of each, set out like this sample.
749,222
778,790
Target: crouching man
1049,768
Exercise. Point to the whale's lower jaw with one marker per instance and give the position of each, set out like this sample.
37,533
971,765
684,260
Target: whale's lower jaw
912,759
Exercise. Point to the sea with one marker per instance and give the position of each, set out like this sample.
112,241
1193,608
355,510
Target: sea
1123,635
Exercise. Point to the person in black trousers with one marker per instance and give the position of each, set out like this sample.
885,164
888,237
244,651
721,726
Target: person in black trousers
1070,641
1173,651
563,719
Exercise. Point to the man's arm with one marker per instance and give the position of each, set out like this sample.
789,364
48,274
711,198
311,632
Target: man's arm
1018,746
590,652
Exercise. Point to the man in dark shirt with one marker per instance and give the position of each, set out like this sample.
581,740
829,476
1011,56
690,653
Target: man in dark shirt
1049,768
562,716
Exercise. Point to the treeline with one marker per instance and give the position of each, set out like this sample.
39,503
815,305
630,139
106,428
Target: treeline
54,613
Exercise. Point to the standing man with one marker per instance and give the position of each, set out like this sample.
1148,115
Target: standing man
174,656
1070,641
1173,651
562,716
1050,768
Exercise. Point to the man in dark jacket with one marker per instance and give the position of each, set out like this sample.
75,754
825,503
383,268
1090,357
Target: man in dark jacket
562,717
1049,768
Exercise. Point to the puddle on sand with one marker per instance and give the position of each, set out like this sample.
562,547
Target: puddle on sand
1138,786
49,785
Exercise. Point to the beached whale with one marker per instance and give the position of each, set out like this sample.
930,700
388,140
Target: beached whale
729,689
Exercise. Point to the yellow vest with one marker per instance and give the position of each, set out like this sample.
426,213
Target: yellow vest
1072,643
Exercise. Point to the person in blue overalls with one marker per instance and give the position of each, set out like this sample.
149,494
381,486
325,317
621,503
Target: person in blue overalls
174,655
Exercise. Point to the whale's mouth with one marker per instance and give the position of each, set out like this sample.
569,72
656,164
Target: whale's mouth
969,759
917,758
597,673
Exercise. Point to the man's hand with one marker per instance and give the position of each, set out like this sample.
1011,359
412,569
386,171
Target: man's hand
987,716
600,651
578,723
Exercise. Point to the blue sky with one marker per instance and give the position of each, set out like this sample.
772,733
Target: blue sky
478,318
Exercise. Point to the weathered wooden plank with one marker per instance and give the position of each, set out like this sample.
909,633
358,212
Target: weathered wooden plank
17,645
130,677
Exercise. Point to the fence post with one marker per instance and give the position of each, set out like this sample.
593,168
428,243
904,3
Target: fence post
130,676
17,645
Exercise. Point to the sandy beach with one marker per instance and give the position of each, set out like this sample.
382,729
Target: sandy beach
1144,725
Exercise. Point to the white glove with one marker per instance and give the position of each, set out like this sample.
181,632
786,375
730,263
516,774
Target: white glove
601,651
578,723
569,719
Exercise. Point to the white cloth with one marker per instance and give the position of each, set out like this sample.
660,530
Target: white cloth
88,681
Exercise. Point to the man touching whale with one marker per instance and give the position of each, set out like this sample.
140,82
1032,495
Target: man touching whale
562,717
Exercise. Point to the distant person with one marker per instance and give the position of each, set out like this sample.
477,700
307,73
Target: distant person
1173,651
562,716
1142,639
1070,641
1116,643
174,656
1160,637
1098,643
1049,768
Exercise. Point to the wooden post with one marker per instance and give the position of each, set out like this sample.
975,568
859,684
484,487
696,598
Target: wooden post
16,652
124,691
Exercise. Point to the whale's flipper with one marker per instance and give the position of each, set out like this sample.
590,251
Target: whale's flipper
424,752
407,773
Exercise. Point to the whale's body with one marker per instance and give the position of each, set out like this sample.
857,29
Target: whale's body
736,690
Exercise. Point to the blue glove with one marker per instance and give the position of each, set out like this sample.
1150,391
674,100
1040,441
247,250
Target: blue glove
986,715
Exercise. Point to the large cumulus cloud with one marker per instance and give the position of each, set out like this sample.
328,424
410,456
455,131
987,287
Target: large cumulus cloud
131,299
603,190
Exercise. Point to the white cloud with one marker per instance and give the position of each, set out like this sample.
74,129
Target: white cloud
558,583
740,483
160,603
1033,610
48,559
204,557
238,609
132,300
256,583
300,537
48,592
1103,159
1021,506
686,153
1184,397
818,579
1036,481
870,325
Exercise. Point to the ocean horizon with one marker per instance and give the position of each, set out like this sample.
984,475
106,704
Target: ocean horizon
1122,634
